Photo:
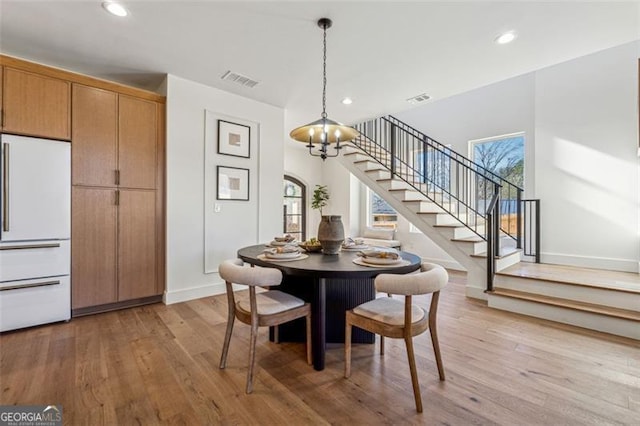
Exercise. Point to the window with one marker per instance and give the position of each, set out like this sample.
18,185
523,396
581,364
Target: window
294,210
504,156
382,215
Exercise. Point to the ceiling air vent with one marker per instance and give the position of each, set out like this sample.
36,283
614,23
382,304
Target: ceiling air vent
239,78
419,99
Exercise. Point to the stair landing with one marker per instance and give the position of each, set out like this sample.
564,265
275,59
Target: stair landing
614,280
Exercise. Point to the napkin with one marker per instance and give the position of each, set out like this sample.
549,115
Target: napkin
286,239
284,249
379,254
350,242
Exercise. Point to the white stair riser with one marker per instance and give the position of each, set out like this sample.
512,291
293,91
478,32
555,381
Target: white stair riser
408,195
596,295
509,260
472,248
607,324
456,233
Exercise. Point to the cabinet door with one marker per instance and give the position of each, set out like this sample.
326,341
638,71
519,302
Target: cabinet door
137,245
94,136
36,105
93,247
137,143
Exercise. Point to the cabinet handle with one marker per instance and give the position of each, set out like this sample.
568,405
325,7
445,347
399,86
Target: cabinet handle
117,197
117,177
20,286
30,247
5,187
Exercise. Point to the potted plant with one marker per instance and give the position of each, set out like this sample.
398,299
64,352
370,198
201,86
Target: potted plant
320,198
330,231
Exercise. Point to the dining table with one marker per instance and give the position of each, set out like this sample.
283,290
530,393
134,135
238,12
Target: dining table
332,284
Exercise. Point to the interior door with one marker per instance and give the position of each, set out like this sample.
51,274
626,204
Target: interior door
36,189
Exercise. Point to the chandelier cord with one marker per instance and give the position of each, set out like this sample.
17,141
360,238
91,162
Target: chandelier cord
324,71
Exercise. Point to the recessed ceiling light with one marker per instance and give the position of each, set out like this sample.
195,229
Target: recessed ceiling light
505,38
347,101
115,8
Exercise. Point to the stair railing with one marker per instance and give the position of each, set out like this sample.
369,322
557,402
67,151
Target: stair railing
510,194
458,186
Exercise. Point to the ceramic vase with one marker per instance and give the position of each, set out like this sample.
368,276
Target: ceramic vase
331,234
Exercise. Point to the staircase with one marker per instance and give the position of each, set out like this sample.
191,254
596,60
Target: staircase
456,203
452,200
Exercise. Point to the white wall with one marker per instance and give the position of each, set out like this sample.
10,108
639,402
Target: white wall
580,121
586,161
186,209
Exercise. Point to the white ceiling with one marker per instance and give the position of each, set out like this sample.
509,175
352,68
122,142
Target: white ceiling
379,53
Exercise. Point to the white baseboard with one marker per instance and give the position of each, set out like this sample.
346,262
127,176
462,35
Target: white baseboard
183,295
612,264
447,264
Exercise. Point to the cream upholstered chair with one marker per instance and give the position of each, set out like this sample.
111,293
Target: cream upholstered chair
264,309
391,317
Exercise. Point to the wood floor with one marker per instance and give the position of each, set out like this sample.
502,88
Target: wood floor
159,365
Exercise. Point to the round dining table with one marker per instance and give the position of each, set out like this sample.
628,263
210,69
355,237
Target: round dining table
332,284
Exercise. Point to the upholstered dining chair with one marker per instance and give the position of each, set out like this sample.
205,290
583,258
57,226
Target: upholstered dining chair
400,319
265,309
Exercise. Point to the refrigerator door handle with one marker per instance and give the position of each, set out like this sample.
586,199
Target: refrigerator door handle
5,187
30,285
30,247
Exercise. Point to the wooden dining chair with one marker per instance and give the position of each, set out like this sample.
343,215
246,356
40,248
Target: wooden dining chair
265,309
399,319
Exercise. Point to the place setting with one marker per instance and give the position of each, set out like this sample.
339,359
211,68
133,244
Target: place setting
282,249
354,245
380,258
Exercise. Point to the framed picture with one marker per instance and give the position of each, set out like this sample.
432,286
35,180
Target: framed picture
233,183
233,139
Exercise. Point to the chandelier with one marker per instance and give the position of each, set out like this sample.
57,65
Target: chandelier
323,132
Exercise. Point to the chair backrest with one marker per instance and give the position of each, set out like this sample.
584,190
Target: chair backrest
430,279
232,271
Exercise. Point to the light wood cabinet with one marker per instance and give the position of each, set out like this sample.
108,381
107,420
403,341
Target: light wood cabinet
36,105
137,142
137,245
94,136
113,244
115,139
93,247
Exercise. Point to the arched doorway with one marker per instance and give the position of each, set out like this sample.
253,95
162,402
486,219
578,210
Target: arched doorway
294,208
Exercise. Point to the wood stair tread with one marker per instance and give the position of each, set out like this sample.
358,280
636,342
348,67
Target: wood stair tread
474,239
628,282
569,304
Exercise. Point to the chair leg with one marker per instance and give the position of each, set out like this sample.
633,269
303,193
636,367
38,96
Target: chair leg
381,345
347,348
252,356
414,373
436,351
227,336
309,360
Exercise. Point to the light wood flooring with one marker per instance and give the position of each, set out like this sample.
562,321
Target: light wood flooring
159,365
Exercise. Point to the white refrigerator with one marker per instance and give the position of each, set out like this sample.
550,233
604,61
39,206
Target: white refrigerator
35,230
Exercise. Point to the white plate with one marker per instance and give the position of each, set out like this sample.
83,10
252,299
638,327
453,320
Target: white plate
401,262
360,247
280,259
275,243
380,260
289,255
